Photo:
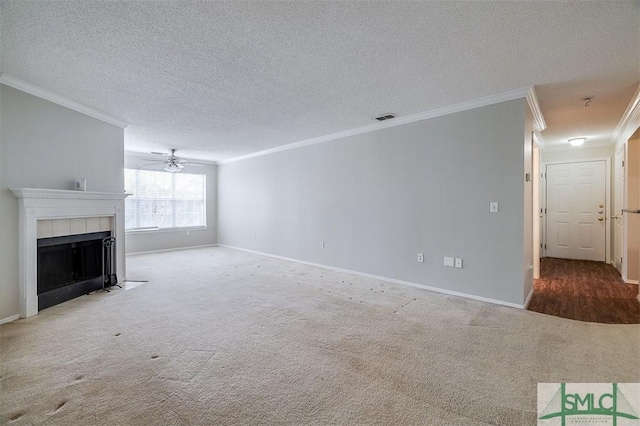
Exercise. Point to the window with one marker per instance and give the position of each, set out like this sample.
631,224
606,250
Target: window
162,200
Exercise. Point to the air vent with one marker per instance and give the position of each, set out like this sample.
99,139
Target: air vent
385,117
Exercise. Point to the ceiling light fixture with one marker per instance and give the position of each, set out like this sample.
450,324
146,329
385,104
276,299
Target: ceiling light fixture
577,141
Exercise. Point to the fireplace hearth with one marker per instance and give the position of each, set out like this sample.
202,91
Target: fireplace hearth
68,267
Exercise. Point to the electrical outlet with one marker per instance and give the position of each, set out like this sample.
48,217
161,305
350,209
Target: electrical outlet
458,263
420,258
448,261
493,207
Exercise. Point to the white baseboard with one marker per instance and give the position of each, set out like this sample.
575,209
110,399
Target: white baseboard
9,319
381,278
170,249
628,281
528,299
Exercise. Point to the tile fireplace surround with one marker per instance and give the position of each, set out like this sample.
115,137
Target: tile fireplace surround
56,204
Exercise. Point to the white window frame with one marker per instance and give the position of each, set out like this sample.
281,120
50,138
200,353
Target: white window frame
175,228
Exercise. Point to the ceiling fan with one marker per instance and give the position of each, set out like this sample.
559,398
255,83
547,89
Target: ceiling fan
172,164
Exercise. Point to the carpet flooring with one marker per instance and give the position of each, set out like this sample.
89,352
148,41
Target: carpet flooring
220,336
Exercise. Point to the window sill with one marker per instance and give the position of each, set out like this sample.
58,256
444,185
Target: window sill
163,230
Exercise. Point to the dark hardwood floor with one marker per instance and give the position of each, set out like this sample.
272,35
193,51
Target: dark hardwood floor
585,291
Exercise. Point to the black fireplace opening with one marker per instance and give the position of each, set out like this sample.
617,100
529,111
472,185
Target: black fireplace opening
69,267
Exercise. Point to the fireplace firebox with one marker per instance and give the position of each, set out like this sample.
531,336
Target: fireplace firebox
69,266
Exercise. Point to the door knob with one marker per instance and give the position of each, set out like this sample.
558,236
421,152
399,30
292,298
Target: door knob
601,219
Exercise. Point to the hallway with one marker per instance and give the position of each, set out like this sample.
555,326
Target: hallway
584,291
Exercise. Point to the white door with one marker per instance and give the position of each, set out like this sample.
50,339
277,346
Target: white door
576,219
617,208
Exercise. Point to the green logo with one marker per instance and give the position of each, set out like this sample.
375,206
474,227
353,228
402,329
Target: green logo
584,401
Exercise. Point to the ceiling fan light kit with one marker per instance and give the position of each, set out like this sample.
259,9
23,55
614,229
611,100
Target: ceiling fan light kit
174,167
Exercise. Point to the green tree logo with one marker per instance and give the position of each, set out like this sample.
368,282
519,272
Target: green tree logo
611,404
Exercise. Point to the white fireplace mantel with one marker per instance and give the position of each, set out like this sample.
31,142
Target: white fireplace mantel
63,194
39,204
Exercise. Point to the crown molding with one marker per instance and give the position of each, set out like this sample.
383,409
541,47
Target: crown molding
32,89
538,139
630,119
464,106
532,100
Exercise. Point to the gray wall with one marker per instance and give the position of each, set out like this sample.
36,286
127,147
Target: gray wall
44,145
143,241
378,199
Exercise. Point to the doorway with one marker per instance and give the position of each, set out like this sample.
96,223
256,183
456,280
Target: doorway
577,210
618,205
576,279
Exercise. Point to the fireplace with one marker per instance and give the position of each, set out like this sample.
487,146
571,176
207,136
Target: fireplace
47,214
69,266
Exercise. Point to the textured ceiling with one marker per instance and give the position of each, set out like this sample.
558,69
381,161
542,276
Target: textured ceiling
222,79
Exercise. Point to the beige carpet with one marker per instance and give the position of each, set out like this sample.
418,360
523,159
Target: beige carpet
220,336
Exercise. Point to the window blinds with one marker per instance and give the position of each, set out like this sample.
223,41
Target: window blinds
163,200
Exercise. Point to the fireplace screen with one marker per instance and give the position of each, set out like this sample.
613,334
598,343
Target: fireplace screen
68,267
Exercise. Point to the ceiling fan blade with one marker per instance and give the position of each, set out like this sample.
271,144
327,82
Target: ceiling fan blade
191,163
164,154
157,163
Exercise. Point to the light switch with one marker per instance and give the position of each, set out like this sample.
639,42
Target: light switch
448,261
493,207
